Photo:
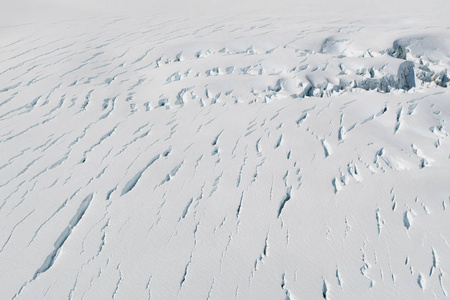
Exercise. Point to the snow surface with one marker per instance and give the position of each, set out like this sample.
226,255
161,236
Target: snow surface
212,150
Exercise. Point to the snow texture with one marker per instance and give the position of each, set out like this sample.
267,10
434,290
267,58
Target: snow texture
204,150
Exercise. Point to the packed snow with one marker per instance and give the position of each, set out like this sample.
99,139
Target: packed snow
211,150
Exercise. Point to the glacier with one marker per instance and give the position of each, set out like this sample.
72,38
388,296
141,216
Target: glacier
211,150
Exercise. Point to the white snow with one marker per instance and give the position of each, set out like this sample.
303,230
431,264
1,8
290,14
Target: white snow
212,150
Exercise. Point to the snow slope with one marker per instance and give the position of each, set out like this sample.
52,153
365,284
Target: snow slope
211,150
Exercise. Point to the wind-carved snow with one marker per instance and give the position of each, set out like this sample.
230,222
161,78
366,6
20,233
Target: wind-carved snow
220,157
